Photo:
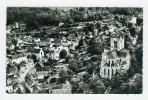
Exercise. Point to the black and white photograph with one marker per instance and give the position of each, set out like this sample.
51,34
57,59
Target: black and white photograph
74,50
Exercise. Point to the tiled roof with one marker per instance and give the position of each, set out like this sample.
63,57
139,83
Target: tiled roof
29,81
15,86
17,56
38,69
33,50
112,54
38,64
122,54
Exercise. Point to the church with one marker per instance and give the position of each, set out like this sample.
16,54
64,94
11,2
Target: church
117,59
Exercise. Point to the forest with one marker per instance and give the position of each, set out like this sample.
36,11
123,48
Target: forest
34,17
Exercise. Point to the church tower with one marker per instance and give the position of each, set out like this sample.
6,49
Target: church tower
117,43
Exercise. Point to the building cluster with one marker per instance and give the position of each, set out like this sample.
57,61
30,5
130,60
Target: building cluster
33,63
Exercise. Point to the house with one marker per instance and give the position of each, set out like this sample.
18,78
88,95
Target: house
22,66
19,42
10,81
133,20
55,51
11,47
18,58
8,30
31,84
14,25
60,24
60,66
42,72
36,40
9,89
15,87
64,89
39,64
21,88
29,63
11,85
29,80
80,75
38,52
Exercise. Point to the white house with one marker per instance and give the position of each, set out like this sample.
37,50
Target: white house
19,58
60,24
133,20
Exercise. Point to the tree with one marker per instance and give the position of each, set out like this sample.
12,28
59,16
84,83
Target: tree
96,85
135,85
95,58
82,9
14,41
31,23
92,41
97,48
135,65
68,58
63,76
139,21
76,55
133,32
91,27
34,57
71,21
80,64
63,53
76,88
117,18
81,43
130,72
130,25
86,76
73,65
116,81
53,80
99,89
90,69
123,89
93,81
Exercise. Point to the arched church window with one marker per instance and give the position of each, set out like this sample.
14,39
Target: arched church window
115,43
112,72
112,63
104,71
120,60
116,71
108,72
109,62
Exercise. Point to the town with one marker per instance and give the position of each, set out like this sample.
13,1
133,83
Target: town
77,50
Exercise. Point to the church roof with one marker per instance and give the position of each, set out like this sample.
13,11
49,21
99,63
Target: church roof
122,54
114,54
